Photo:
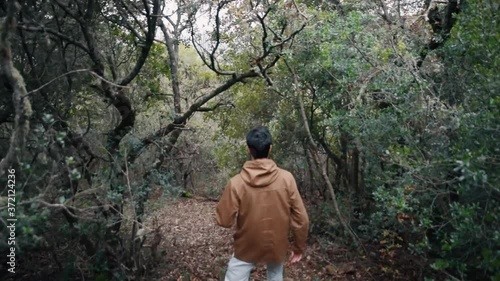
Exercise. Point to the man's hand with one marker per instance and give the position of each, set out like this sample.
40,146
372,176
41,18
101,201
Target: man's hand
294,258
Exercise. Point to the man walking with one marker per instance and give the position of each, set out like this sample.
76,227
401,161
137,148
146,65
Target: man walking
265,203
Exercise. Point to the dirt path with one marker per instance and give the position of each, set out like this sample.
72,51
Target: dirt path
195,248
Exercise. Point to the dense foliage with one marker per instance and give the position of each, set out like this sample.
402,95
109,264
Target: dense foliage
387,114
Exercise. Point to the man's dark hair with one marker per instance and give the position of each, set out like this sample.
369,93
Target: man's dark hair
259,142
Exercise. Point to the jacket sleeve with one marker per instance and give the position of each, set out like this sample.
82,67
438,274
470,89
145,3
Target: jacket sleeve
299,220
228,206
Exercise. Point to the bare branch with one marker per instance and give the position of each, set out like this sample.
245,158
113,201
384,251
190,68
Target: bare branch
180,120
211,62
131,14
26,27
125,24
208,109
76,71
150,36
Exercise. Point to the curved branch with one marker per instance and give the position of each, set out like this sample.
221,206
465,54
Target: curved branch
180,120
212,64
75,71
150,36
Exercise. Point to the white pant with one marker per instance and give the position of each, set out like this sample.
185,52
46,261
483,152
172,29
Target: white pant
238,270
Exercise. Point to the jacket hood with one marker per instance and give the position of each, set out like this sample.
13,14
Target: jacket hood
259,172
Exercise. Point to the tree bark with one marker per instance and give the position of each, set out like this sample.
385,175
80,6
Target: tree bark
21,104
173,59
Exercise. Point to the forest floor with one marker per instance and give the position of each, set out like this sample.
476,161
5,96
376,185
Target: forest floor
195,248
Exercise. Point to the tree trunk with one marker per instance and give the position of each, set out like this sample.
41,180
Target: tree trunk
12,77
322,165
355,173
310,164
173,62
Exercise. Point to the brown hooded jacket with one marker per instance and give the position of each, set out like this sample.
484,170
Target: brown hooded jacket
265,202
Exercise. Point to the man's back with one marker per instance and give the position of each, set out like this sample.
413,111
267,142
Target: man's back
266,203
